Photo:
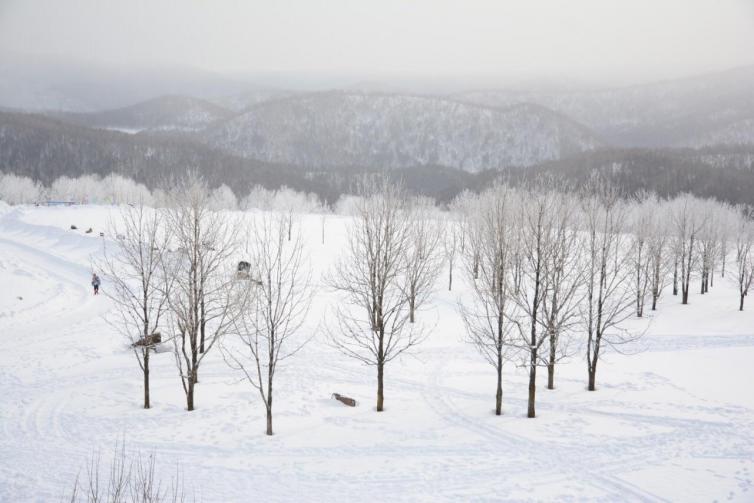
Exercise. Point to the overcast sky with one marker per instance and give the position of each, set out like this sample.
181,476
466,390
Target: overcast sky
583,40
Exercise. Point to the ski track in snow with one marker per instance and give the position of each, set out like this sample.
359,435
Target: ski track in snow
70,387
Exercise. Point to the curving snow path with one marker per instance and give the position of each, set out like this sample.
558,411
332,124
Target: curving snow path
674,422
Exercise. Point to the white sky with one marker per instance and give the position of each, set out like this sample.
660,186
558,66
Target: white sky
583,40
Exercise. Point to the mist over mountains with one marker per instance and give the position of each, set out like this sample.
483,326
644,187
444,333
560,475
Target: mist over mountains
238,132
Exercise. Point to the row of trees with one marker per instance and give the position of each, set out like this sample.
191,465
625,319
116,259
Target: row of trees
117,189
552,274
175,269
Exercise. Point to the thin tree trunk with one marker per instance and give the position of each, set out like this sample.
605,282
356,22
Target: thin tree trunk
675,276
450,278
146,379
741,304
190,393
551,363
412,304
499,392
592,378
380,377
202,325
532,383
269,420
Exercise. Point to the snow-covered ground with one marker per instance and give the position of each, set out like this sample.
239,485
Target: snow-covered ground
674,421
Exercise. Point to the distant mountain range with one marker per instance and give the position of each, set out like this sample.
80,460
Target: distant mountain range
397,131
705,110
241,134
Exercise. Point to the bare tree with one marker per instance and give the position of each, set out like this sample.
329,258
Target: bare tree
204,292
534,249
136,286
658,249
485,313
609,298
373,322
642,220
687,225
274,307
451,244
744,258
708,242
422,254
560,305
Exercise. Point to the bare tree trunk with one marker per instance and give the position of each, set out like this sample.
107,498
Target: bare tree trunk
532,383
741,304
146,379
551,363
190,393
592,378
499,392
202,325
675,276
380,386
412,304
450,278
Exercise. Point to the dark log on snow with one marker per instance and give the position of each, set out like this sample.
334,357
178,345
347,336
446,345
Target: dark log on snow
73,227
344,400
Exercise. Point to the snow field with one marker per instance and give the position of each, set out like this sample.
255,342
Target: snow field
674,421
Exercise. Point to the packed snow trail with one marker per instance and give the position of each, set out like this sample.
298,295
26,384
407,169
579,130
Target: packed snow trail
673,422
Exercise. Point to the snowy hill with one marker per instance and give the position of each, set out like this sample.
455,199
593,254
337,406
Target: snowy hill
166,113
393,131
705,110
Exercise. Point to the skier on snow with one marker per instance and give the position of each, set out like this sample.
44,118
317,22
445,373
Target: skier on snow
95,283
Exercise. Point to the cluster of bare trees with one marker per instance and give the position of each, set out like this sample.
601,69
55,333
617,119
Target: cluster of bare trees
552,274
176,269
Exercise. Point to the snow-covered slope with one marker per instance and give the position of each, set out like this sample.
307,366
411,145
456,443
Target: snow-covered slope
391,131
673,420
704,110
166,113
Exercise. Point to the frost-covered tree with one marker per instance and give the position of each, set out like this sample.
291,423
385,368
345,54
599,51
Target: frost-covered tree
487,310
19,189
564,280
223,198
452,238
422,253
744,258
608,297
687,223
203,299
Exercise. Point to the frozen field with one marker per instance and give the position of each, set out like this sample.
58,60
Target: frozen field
672,422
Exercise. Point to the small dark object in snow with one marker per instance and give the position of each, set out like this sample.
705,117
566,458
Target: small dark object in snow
73,227
344,400
150,340
20,298
89,230
101,234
